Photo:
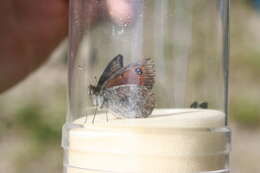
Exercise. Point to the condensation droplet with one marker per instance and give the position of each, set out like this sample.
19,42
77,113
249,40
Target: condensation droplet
119,30
80,67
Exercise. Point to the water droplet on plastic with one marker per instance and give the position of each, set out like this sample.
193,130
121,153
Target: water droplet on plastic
81,68
119,30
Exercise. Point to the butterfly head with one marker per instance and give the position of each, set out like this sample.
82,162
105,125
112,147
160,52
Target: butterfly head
96,98
92,90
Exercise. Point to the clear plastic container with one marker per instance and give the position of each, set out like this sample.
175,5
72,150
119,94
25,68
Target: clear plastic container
148,87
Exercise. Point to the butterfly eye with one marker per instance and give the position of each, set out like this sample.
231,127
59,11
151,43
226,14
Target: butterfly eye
139,71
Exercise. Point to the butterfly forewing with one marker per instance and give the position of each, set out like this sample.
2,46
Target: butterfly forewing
114,65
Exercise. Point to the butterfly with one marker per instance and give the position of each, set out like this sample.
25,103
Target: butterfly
203,105
125,91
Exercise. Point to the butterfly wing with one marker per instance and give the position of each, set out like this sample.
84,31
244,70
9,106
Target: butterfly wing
194,105
130,101
142,73
114,65
204,105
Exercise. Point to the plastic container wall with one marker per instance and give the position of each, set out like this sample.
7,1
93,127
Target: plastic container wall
148,87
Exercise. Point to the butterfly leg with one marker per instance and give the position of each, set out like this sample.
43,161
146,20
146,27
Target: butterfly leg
86,118
93,120
106,116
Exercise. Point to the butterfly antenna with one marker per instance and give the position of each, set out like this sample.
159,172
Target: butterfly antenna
96,79
89,80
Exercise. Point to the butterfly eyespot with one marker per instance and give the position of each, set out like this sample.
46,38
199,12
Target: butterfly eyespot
139,71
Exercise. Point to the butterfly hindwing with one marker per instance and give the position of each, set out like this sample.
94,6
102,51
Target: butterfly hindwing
142,73
131,101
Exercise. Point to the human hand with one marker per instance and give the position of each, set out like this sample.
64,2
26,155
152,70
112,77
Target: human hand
31,29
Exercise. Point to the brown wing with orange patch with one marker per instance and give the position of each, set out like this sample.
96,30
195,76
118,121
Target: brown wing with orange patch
142,74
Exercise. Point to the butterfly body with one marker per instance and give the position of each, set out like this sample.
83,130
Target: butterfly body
126,91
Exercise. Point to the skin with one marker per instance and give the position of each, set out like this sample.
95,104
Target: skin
31,29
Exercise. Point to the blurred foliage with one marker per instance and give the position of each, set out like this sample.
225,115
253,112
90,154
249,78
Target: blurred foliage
251,61
30,119
42,132
246,112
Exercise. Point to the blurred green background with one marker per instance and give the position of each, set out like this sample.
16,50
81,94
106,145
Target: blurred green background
32,115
